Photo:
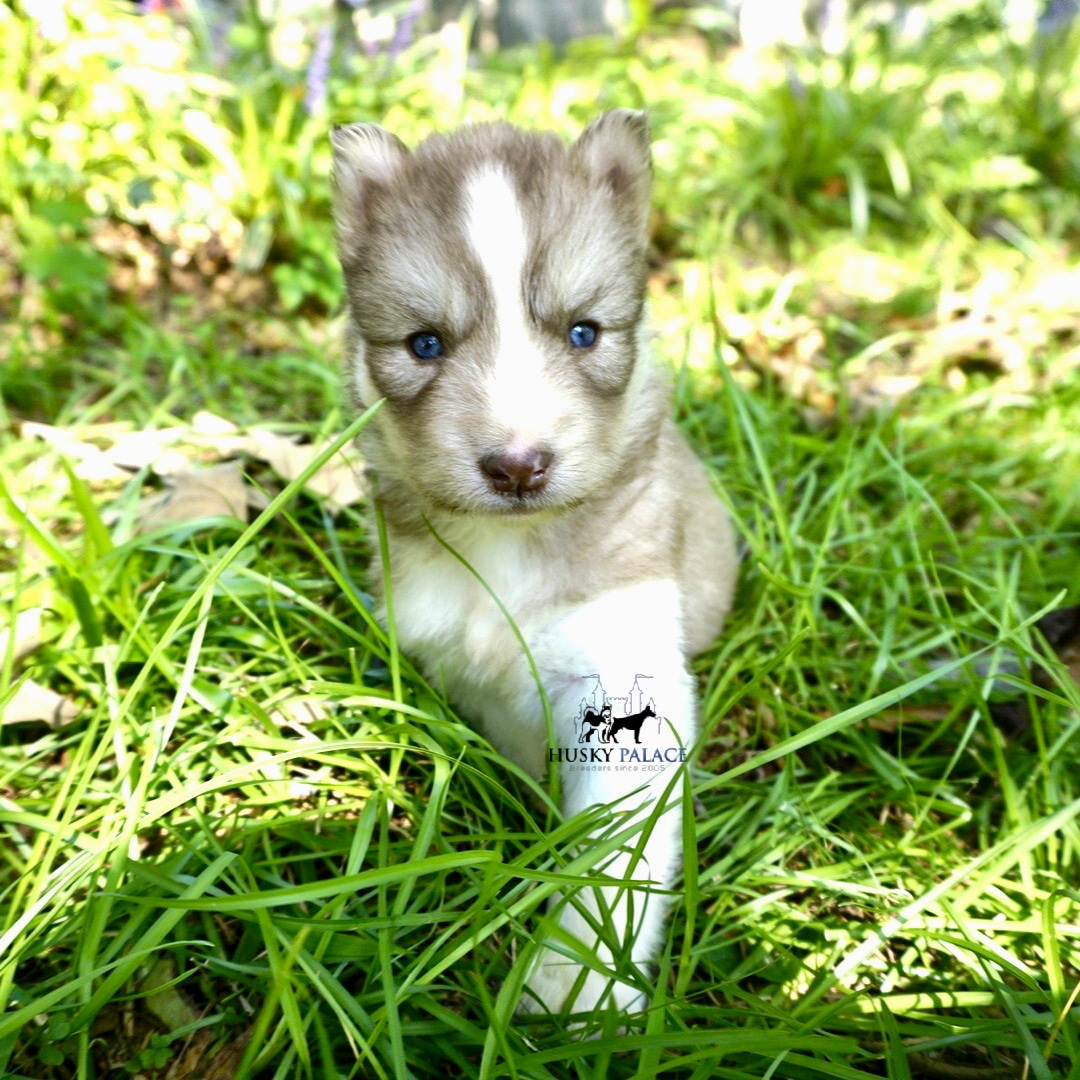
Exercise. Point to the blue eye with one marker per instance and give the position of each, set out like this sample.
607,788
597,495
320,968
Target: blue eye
583,334
425,345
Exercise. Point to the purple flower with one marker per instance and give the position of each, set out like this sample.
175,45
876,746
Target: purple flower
403,34
319,70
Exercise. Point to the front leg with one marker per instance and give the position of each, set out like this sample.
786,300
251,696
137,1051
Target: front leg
622,649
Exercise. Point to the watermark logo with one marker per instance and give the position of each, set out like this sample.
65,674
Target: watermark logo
618,732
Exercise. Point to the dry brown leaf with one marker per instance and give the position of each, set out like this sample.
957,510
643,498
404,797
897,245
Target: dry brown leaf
298,711
216,491
205,422
135,450
338,481
169,451
165,1000
33,702
192,1063
23,636
215,433
224,1062
89,461
281,452
111,452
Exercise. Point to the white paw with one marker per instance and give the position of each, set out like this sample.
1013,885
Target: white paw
559,984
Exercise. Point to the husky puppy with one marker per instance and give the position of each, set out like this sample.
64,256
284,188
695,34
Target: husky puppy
495,284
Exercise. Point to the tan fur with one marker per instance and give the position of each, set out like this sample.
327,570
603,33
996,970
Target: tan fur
624,561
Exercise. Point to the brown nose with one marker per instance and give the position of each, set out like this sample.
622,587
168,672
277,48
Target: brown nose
515,472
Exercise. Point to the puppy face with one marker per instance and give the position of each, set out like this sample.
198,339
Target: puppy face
495,282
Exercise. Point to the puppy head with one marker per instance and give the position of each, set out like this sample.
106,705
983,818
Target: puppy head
495,282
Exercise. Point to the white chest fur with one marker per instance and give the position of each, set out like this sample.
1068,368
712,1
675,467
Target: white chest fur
448,619
441,603
471,645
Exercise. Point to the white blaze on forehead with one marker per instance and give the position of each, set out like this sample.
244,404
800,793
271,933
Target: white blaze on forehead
496,231
521,399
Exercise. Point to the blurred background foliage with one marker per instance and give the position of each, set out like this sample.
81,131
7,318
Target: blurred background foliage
165,163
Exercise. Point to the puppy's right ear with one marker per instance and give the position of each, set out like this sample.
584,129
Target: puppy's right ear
364,154
615,149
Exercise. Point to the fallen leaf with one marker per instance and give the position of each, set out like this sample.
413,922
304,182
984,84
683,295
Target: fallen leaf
185,456
338,481
216,491
298,711
163,997
89,461
192,1064
217,435
23,636
135,450
224,1063
281,452
33,702
208,423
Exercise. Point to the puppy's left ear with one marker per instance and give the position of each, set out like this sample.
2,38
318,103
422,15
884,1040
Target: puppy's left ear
365,157
615,149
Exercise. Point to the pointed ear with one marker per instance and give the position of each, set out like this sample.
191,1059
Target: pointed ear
364,154
615,149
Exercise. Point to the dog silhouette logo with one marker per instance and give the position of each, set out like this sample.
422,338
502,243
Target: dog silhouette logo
593,720
607,718
630,723
615,732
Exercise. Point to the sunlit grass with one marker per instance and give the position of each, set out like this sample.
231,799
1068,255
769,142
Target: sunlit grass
877,874
266,848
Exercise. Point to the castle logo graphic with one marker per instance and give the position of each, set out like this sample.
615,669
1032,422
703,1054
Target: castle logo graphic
618,731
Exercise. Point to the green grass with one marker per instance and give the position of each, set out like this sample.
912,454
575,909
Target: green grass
360,890
265,848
